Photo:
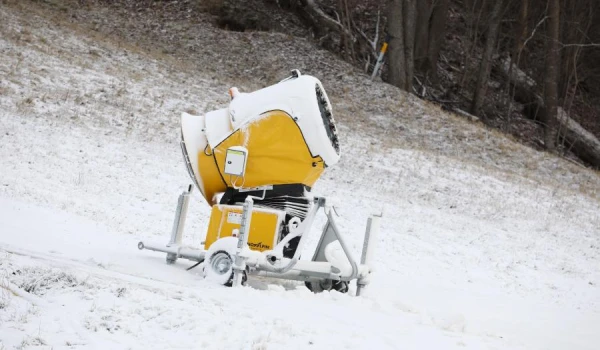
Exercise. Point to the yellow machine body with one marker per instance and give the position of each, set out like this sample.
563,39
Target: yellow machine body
264,225
279,155
287,130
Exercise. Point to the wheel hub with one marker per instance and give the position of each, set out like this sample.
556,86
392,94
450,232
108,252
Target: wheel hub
221,263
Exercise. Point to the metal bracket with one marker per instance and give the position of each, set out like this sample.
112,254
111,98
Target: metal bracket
371,235
331,234
239,261
179,222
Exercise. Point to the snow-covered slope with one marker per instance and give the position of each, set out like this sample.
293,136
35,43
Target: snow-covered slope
469,257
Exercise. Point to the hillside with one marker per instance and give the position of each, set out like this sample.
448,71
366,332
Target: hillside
485,243
251,60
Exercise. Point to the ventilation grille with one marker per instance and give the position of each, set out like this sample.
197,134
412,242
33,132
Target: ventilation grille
328,121
293,206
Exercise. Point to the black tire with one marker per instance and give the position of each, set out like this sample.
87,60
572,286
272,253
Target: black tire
327,285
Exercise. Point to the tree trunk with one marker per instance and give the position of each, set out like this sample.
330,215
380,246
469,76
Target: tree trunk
396,54
521,30
346,40
320,19
525,88
582,142
486,60
517,49
410,14
474,10
437,35
426,21
424,8
579,12
551,78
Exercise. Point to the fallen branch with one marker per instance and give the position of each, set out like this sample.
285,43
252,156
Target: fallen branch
582,143
323,19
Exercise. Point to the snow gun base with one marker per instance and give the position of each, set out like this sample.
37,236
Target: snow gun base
230,259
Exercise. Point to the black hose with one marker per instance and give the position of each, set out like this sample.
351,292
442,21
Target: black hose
196,264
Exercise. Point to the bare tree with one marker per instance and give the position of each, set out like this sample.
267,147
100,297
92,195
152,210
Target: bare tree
430,30
486,60
410,19
551,78
473,10
576,22
437,33
520,34
395,29
424,10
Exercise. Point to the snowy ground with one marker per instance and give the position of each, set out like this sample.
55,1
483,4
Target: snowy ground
469,257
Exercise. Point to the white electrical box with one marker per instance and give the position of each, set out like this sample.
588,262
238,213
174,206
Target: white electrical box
235,161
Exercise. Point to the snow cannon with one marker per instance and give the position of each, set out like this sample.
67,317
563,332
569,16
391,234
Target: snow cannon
255,163
287,129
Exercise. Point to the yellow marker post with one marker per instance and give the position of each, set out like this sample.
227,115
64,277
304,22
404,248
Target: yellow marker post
382,52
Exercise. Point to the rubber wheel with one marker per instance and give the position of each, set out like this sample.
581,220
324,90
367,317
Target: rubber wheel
220,268
327,285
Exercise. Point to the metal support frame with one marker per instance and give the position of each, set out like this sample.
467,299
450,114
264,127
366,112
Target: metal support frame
262,264
239,260
299,231
179,223
371,236
331,234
